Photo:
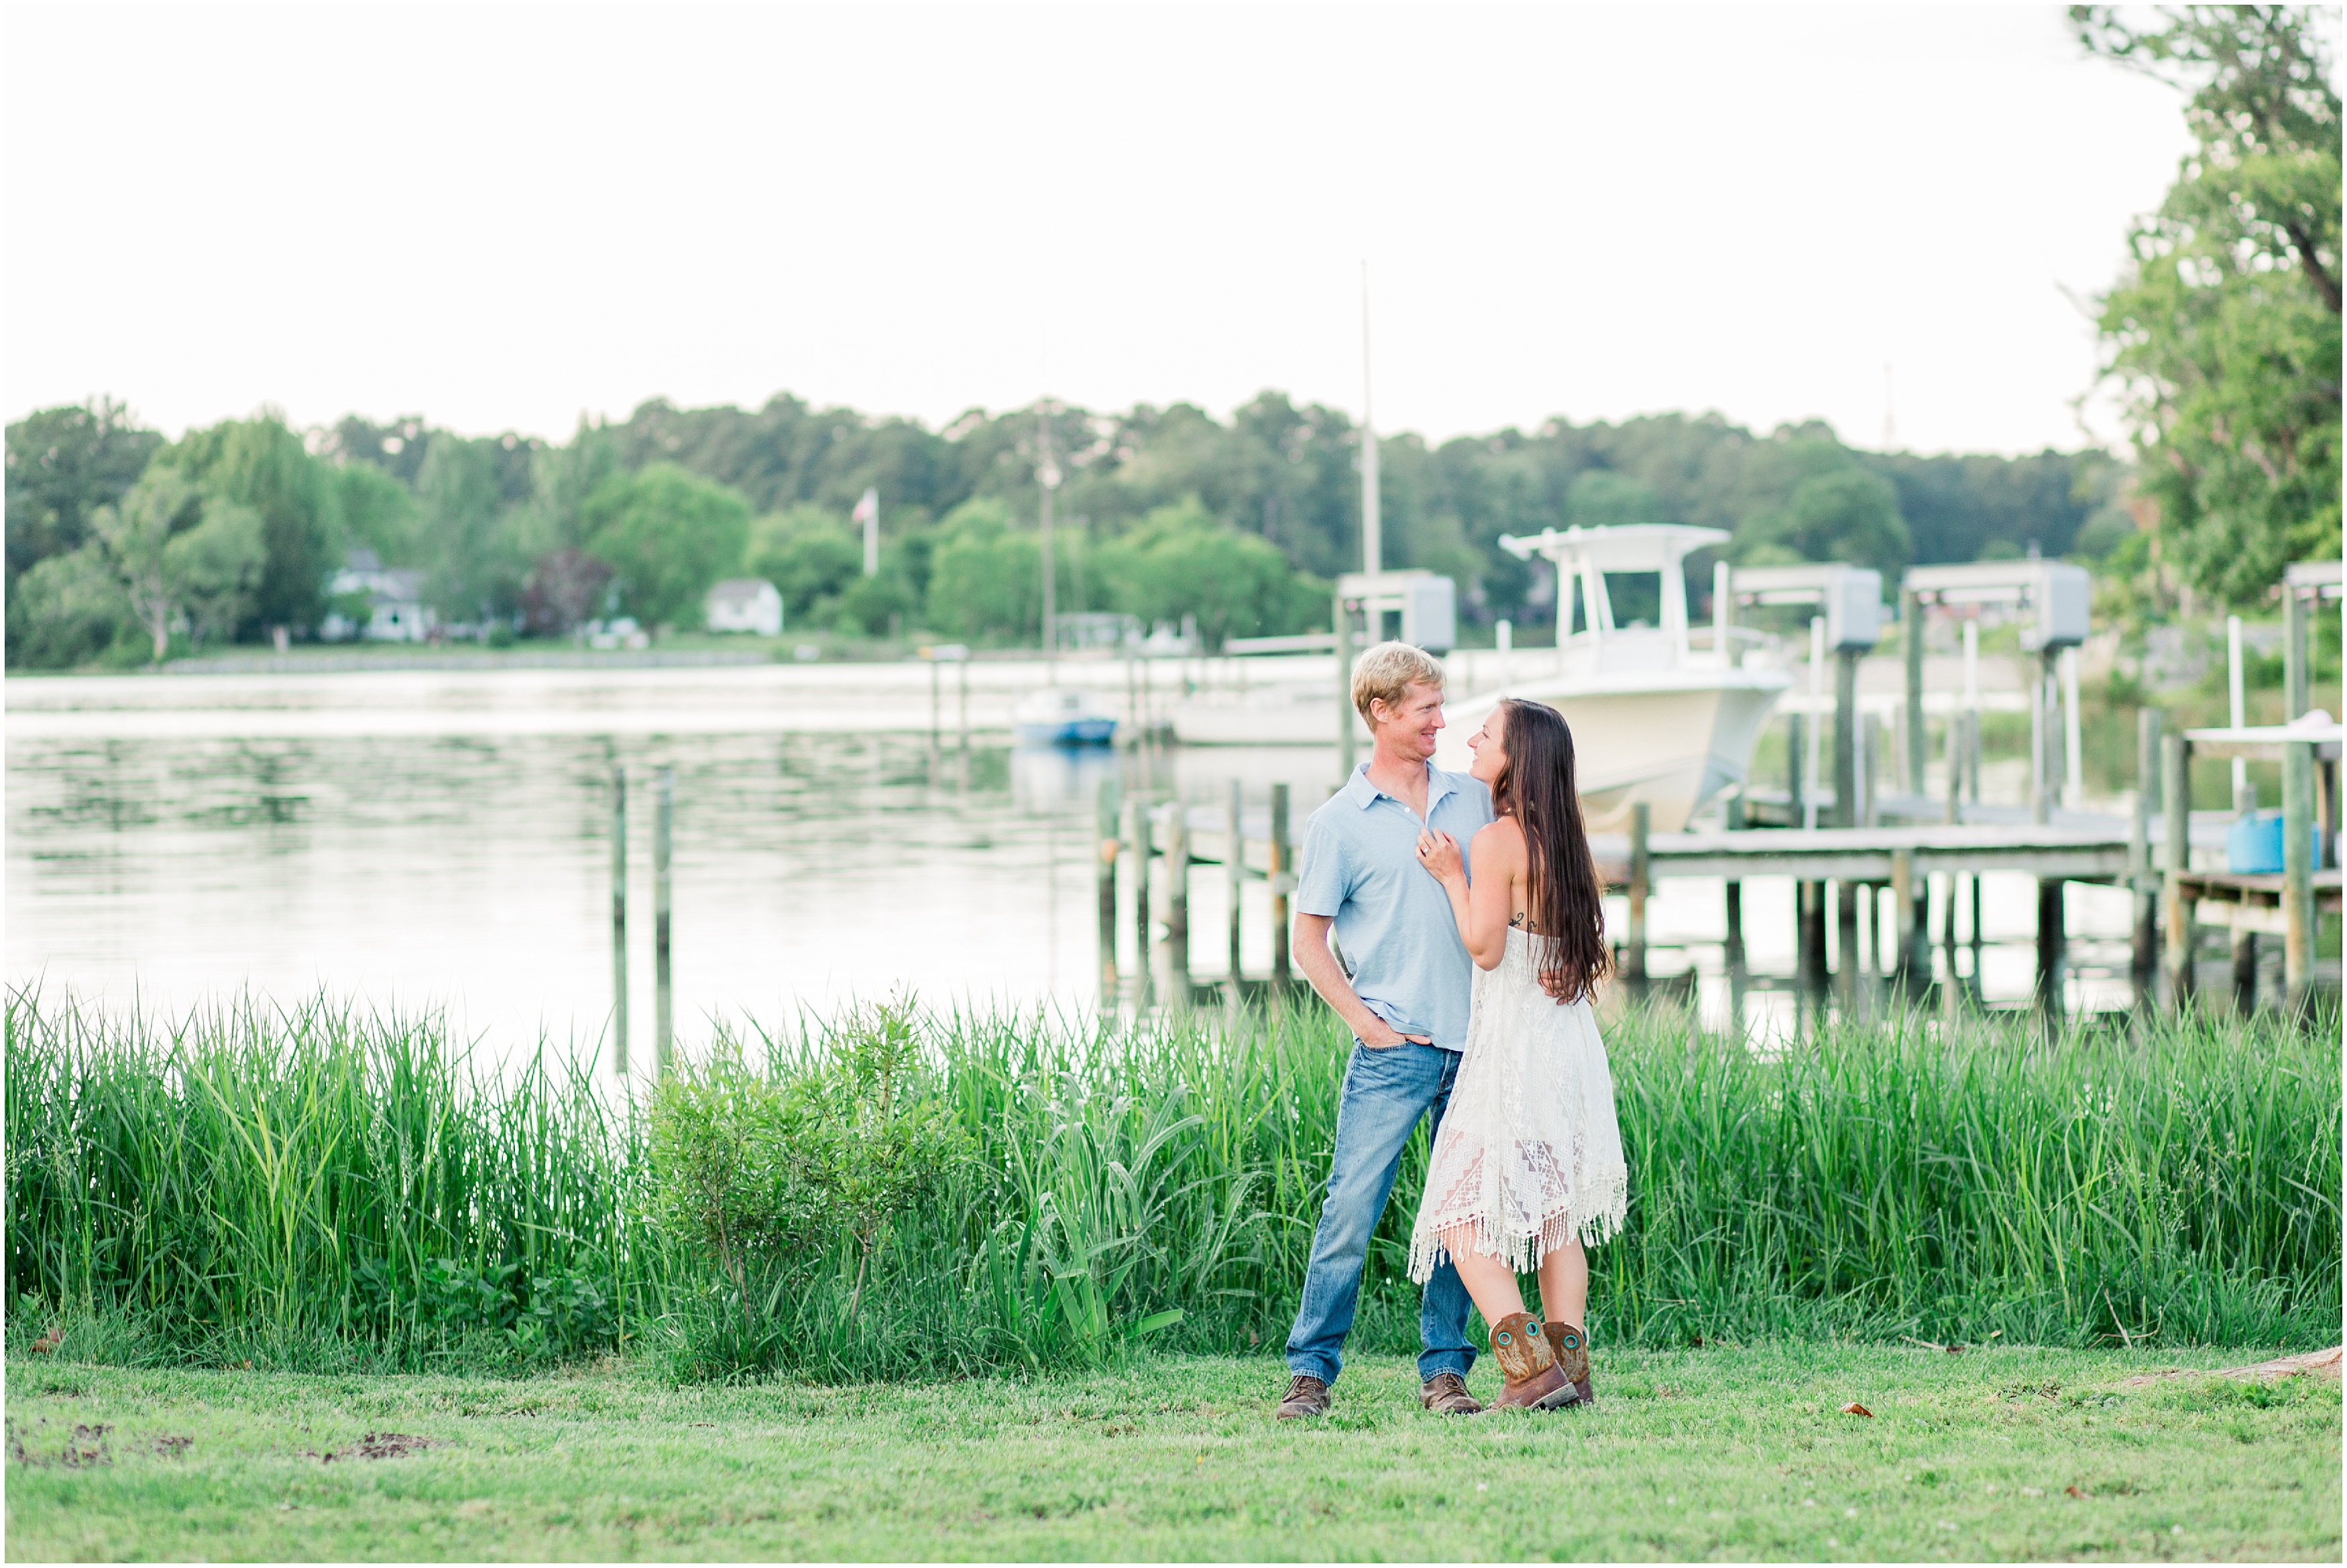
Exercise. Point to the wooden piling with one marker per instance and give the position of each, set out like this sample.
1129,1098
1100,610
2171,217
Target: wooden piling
1104,819
619,921
2244,970
1845,739
1908,894
2050,948
1282,878
664,1019
2298,872
2175,819
1731,814
1796,797
1633,964
1847,951
1137,834
2143,954
1809,930
1234,870
1972,756
2045,749
1911,629
1870,768
2293,653
1177,899
1345,744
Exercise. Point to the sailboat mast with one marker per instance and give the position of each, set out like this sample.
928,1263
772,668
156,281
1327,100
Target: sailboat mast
1372,542
1047,474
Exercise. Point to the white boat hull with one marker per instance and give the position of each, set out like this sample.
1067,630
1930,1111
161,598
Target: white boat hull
1673,739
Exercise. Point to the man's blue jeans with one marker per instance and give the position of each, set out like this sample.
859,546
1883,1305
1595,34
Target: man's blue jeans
1386,1091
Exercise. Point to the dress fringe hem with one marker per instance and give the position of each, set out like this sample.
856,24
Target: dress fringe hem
1596,1221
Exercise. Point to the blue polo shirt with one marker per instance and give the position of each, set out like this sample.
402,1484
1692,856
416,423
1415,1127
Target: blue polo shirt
1393,921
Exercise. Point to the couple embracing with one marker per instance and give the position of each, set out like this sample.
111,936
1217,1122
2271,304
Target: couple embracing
1470,921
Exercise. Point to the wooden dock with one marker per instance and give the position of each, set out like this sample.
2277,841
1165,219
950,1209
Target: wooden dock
2147,852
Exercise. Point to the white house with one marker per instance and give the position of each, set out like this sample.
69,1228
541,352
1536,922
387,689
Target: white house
745,605
397,613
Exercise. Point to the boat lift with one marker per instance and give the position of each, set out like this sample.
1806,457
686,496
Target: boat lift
1850,599
2057,598
1428,606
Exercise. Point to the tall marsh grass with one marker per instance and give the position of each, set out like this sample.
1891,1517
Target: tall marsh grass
321,1187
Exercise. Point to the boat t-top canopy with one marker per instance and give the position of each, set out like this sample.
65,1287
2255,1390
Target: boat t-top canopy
1586,555
1632,547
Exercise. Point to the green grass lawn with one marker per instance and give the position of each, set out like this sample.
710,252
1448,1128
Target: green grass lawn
1700,1453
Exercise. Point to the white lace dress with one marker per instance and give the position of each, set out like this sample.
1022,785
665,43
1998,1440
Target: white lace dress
1530,1152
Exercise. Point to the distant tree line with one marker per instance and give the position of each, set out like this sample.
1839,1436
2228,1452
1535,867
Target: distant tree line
121,545
2221,334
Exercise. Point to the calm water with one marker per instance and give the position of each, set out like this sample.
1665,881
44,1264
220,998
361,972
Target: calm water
443,839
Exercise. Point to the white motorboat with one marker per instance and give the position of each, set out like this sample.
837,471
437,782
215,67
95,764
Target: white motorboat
1652,719
1063,715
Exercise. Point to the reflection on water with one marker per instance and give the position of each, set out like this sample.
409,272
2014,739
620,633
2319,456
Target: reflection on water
156,851
476,872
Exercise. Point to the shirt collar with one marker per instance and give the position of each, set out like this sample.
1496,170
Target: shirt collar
1364,794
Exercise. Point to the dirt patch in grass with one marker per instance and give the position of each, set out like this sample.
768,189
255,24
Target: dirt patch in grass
83,1447
2318,1364
377,1445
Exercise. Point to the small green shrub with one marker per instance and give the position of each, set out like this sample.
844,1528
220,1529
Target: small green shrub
779,1180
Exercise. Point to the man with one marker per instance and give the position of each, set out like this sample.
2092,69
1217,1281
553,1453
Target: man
1407,999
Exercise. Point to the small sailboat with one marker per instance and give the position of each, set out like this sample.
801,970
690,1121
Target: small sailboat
1063,715
1652,719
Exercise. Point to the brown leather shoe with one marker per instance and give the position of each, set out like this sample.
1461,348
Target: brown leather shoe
1445,1394
1534,1379
1306,1397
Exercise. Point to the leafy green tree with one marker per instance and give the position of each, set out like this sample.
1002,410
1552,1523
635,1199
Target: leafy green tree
2223,333
218,565
986,577
380,513
68,610
871,605
260,464
1181,561
1849,514
809,554
668,535
136,535
181,555
460,489
63,464
1601,498
561,479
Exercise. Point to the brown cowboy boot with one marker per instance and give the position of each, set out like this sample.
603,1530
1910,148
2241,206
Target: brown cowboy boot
1570,1346
1534,1380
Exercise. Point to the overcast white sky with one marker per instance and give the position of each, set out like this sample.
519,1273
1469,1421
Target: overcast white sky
502,218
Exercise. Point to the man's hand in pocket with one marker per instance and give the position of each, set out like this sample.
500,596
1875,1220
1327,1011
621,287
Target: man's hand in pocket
1382,1037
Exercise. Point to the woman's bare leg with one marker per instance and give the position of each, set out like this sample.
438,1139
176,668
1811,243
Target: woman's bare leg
1563,1282
1488,1280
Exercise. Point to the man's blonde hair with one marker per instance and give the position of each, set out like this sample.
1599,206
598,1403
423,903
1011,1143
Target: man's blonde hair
1389,670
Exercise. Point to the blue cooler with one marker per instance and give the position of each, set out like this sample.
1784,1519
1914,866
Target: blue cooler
2253,843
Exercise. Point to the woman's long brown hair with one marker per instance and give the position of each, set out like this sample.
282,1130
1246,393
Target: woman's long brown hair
1561,892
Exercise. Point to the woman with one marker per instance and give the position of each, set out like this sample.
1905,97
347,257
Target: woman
1529,1161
